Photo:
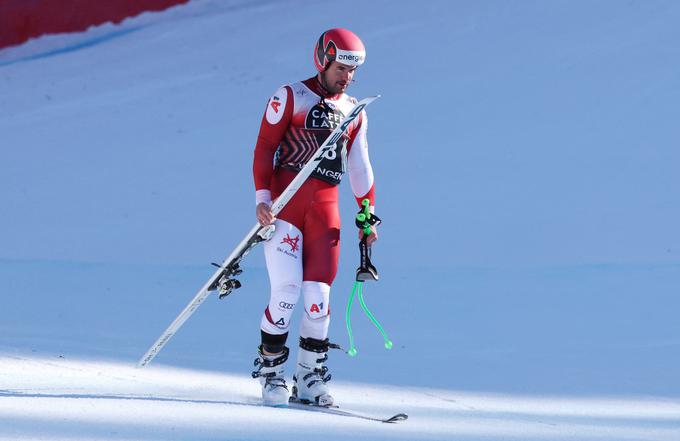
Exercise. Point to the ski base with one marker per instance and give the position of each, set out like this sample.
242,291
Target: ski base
336,410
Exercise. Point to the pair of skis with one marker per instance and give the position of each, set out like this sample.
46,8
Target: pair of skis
223,279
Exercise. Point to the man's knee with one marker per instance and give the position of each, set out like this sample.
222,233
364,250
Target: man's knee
316,318
277,315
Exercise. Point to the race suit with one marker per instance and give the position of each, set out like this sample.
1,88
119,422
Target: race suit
302,256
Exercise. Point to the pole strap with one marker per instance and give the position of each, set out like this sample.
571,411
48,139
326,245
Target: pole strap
359,289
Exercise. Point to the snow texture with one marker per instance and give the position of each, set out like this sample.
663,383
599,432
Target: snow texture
526,158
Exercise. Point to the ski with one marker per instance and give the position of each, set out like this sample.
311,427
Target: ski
294,405
335,410
223,278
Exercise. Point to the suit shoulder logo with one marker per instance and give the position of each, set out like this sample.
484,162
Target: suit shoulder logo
276,106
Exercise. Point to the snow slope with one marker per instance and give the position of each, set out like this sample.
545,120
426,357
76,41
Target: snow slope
97,400
526,156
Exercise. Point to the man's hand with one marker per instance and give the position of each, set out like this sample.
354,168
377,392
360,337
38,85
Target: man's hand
264,215
370,240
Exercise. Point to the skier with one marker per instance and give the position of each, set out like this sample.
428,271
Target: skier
302,256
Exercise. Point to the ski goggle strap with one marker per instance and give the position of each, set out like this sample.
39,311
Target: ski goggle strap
359,288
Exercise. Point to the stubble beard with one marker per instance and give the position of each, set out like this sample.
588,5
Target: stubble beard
333,89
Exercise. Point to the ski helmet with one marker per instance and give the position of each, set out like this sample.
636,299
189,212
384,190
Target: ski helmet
339,45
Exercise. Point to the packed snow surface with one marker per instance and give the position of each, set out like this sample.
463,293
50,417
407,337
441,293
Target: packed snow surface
526,156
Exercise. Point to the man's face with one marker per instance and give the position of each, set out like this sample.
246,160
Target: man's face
337,77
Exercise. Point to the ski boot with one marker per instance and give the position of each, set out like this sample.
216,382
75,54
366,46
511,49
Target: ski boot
270,372
309,381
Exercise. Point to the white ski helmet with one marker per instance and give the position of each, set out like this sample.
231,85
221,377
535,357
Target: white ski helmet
339,45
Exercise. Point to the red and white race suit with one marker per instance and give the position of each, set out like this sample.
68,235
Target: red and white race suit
303,254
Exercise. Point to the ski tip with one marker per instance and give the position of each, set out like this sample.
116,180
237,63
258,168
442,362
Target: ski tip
396,418
370,99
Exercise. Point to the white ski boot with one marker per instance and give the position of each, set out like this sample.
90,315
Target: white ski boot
309,381
270,373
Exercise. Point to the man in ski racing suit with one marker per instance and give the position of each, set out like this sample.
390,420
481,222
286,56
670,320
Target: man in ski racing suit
302,256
